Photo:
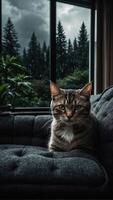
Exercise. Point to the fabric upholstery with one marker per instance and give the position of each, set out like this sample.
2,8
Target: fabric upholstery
102,107
21,164
25,129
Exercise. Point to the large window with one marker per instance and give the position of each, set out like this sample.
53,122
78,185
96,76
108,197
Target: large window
45,40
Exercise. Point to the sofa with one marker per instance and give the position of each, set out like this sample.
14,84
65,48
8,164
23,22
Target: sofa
29,171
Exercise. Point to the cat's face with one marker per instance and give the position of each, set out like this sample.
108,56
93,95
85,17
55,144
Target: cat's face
70,106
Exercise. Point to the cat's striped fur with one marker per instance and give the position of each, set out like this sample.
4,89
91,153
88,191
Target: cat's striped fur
73,125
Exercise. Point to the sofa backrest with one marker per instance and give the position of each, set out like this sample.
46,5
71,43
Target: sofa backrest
25,129
102,107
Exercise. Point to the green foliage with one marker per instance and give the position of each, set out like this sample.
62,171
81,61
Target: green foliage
14,83
9,67
21,88
42,89
76,80
5,94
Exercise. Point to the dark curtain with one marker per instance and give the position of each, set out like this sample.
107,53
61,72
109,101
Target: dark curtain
104,53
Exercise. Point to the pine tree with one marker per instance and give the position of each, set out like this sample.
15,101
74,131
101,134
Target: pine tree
24,57
39,67
83,47
44,60
69,58
34,52
10,42
75,50
44,48
60,51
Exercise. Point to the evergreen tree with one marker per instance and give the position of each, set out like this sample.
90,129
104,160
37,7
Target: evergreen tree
60,51
39,67
44,60
75,50
24,57
83,47
10,42
33,60
69,58
44,49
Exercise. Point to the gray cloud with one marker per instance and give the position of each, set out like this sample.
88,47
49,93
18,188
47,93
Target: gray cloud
31,5
30,24
28,17
23,4
33,16
72,18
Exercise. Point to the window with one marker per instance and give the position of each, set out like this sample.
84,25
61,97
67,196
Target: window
72,45
25,35
30,33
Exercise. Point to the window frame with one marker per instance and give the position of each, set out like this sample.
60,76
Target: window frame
52,61
0,26
83,3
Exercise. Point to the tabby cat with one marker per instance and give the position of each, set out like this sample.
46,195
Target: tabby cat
73,126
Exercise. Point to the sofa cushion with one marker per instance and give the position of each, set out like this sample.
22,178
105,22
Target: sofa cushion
102,107
35,165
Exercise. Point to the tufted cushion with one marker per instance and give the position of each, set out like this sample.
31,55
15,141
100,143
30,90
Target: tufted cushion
35,165
102,106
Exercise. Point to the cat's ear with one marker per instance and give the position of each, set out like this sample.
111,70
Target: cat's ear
54,89
87,89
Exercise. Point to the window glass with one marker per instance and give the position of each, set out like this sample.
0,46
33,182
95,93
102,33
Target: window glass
72,45
25,51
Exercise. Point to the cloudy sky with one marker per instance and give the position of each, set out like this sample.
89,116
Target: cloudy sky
33,16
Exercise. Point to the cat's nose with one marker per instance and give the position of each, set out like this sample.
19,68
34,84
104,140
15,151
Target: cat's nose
69,115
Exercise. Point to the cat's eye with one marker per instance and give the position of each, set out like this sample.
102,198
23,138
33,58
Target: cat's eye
78,107
62,107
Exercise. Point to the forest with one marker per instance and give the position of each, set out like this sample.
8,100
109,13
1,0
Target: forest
25,75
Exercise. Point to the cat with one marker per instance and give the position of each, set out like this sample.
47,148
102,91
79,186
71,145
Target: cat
73,126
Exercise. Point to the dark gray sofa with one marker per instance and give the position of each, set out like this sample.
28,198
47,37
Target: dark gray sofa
28,170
